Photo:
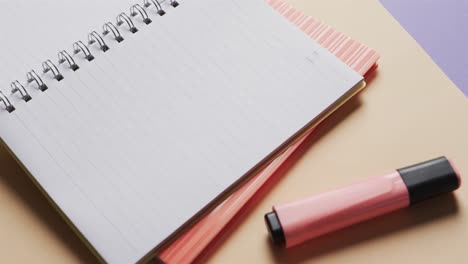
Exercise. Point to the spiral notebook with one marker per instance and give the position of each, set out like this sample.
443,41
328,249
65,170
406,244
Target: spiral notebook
203,237
155,117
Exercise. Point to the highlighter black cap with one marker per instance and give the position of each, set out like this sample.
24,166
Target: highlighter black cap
275,229
430,178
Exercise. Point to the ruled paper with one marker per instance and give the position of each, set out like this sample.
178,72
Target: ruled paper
135,143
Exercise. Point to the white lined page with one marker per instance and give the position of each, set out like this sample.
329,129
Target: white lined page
138,141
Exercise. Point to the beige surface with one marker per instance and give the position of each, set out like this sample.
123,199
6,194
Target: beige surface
410,112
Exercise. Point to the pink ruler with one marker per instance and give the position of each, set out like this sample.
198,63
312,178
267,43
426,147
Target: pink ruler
198,239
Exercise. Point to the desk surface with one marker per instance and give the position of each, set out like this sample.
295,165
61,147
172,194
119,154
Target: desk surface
410,112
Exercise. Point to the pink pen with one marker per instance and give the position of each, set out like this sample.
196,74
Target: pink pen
293,223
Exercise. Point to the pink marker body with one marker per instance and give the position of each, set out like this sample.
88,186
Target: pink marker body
293,223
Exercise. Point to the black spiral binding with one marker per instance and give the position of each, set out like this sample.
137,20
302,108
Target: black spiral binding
80,48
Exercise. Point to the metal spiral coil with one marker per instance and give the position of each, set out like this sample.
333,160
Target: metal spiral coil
159,9
174,3
8,106
109,27
33,77
94,37
50,66
124,17
81,48
17,87
137,9
63,56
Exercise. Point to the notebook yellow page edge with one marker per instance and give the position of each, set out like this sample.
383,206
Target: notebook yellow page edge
262,164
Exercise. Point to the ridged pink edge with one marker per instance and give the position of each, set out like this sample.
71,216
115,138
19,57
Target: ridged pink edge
188,246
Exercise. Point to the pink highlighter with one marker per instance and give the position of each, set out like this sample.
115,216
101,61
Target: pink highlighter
293,223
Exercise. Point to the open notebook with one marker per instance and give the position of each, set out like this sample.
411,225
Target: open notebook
133,133
202,238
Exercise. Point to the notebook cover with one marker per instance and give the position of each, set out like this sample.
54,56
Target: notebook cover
196,240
